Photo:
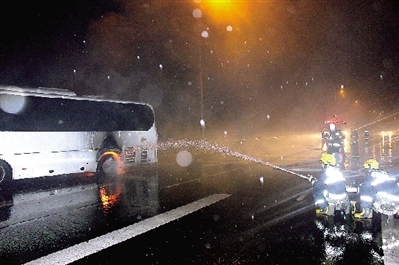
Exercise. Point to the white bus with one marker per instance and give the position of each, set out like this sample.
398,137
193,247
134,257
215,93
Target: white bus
46,131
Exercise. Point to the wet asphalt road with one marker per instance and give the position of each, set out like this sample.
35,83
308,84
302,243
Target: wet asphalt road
262,221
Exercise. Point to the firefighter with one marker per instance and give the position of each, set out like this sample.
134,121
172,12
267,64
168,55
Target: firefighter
376,181
335,143
330,187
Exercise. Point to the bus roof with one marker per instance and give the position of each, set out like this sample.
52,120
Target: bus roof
57,93
36,91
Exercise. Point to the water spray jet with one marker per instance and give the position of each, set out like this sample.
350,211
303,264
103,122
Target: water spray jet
204,145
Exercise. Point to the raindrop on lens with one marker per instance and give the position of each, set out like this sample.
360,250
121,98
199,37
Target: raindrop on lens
12,104
197,13
184,158
205,34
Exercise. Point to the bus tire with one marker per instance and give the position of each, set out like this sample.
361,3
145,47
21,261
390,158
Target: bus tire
5,172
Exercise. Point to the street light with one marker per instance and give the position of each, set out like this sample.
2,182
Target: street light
342,92
223,10
220,11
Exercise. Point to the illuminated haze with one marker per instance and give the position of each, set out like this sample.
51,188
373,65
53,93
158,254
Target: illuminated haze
263,65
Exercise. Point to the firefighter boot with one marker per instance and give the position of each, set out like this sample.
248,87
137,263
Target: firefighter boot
353,207
366,213
322,211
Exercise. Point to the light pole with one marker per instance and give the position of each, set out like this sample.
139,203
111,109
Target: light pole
204,34
197,13
219,11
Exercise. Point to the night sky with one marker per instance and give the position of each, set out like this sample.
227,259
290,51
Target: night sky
262,65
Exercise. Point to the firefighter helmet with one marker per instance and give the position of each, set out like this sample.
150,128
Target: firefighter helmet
328,159
371,164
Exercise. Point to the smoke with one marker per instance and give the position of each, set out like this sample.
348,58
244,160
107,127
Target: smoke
248,67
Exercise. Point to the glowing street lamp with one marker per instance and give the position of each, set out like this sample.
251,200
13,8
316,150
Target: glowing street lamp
222,10
342,92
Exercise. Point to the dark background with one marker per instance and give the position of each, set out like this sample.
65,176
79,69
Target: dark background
265,65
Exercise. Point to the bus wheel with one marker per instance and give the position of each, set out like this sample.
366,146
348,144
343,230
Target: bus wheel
5,172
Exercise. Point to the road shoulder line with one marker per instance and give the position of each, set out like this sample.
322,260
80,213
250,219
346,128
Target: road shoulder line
97,244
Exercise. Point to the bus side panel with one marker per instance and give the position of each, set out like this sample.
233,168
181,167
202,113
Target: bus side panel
50,164
35,154
40,142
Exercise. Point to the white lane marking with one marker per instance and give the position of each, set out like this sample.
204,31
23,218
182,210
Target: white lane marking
97,244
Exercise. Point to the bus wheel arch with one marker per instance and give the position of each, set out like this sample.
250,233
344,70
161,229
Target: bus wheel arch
5,172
